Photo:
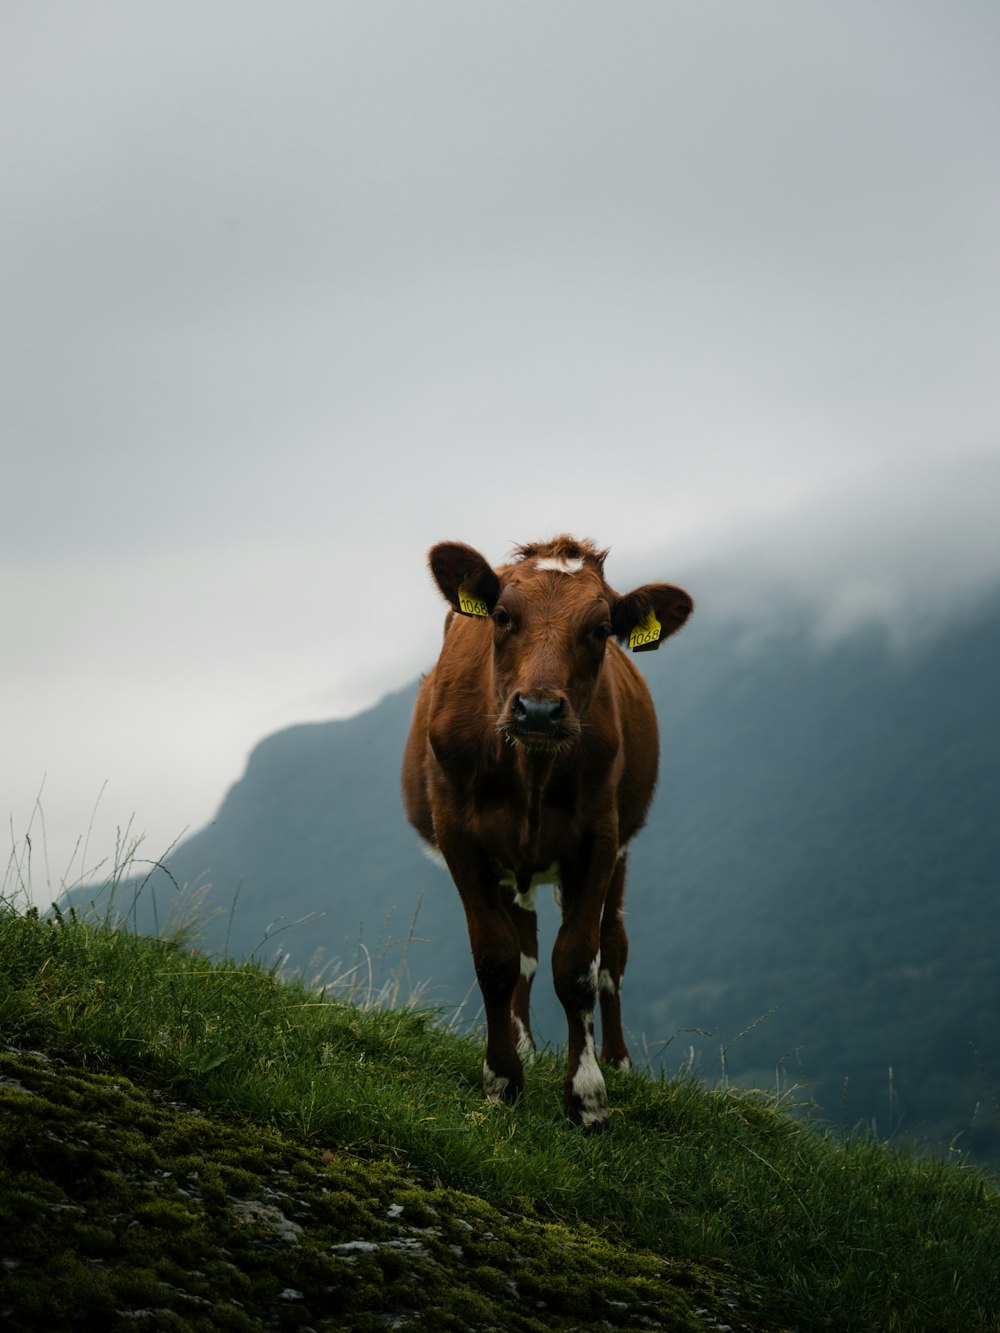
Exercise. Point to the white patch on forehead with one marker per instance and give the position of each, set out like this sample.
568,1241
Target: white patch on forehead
560,564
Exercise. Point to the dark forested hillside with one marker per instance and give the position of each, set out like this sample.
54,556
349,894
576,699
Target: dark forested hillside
822,867
830,858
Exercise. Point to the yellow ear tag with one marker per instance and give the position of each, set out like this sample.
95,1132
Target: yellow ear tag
471,606
646,635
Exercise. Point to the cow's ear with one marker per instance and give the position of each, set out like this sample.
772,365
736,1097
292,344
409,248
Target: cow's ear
465,578
650,614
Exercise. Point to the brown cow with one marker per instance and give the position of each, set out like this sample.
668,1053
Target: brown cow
532,759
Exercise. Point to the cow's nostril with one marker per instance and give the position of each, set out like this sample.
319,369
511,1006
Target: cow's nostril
537,715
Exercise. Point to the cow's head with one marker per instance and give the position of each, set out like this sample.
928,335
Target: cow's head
550,614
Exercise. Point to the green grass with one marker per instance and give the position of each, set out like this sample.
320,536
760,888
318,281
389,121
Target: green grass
724,1188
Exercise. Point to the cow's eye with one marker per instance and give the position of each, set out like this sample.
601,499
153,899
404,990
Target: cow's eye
600,632
501,618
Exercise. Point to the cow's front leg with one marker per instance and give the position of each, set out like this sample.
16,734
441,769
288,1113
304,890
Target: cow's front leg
575,964
576,967
496,954
576,961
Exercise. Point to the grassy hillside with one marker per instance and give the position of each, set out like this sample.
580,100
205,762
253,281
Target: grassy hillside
823,850
201,1140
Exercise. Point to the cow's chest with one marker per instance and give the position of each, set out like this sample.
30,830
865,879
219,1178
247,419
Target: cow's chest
526,834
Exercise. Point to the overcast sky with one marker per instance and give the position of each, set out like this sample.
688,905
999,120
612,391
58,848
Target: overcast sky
289,292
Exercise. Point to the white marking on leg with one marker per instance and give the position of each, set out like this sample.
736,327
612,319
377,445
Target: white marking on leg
591,980
434,854
557,898
588,1081
606,982
493,1084
529,966
561,564
525,1046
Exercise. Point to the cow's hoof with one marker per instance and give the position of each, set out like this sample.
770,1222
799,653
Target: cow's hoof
585,1096
498,1088
615,1060
595,1126
592,1120
591,1115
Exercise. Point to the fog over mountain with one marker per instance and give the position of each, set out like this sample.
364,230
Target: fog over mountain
289,294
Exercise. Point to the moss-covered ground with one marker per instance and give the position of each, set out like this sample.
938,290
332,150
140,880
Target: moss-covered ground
195,1143
121,1204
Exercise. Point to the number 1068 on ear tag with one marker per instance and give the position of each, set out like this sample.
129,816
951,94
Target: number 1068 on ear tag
471,606
645,636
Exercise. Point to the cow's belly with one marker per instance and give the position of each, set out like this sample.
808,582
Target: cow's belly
525,896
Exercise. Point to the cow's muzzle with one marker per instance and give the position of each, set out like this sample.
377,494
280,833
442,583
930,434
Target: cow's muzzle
534,721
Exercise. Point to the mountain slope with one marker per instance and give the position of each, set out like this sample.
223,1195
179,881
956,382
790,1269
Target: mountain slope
835,854
823,855
335,1165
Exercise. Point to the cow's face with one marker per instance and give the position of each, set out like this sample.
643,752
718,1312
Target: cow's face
550,615
551,625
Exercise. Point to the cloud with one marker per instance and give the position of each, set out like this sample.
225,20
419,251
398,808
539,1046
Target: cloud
290,295
911,546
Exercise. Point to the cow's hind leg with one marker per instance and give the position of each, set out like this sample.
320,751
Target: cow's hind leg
525,921
614,955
